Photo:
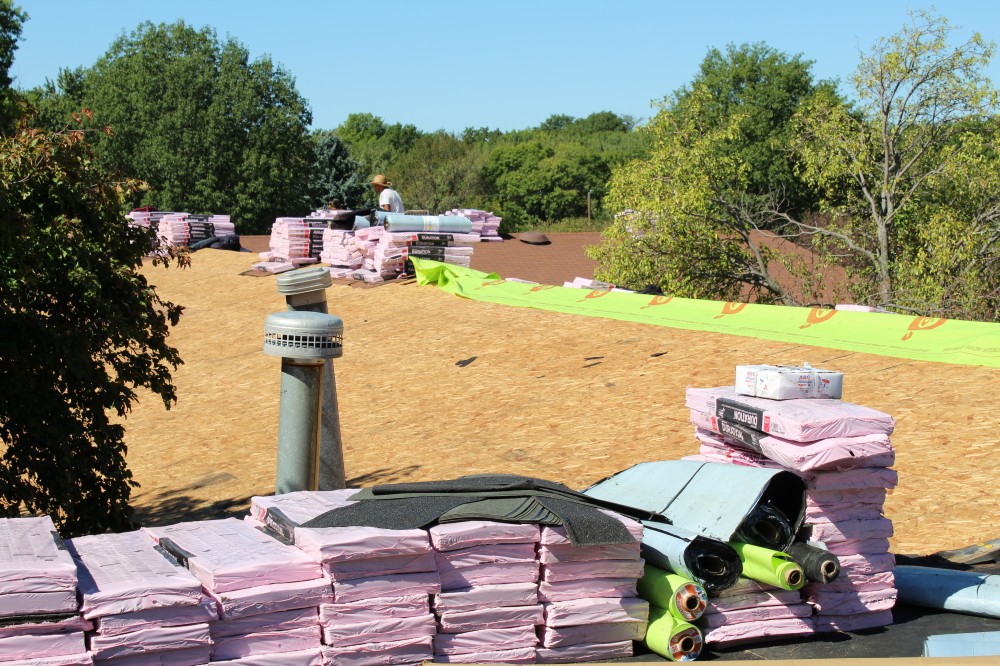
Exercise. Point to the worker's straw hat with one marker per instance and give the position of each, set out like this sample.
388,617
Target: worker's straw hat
380,180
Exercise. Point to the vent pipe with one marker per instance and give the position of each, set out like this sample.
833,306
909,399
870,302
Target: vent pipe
305,291
307,342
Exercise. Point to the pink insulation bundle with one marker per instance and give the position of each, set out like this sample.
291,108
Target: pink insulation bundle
584,652
409,651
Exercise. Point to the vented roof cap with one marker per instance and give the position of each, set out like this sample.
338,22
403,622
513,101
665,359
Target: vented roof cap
303,335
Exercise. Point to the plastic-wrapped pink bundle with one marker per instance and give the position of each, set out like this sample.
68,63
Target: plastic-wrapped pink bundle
752,632
412,651
124,573
14,648
713,619
450,560
151,640
751,610
818,499
82,659
373,610
846,510
378,587
300,618
110,625
266,643
800,420
455,622
487,596
227,555
272,598
484,640
515,656
549,554
556,536
595,611
587,589
868,582
380,566
441,239
584,652
453,536
862,478
295,238
31,558
852,565
589,569
497,573
46,624
385,630
852,603
834,453
185,657
610,632
311,657
765,598
858,547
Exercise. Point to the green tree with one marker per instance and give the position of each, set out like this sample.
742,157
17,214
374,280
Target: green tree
441,172
12,19
374,144
335,177
207,128
81,330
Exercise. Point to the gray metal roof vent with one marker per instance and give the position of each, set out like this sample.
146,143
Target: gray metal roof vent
304,287
304,335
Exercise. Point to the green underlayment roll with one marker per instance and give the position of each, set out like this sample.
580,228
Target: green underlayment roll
671,638
685,599
769,566
900,336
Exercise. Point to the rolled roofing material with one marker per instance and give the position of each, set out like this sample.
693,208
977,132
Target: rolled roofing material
671,638
394,222
715,500
820,566
980,644
770,566
960,591
710,562
685,599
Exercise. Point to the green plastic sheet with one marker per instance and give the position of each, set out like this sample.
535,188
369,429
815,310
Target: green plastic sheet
671,638
769,566
685,599
900,336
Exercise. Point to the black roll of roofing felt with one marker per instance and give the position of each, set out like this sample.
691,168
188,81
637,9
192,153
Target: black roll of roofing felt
505,498
819,566
766,526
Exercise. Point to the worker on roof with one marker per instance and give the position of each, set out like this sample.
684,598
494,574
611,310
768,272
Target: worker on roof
388,198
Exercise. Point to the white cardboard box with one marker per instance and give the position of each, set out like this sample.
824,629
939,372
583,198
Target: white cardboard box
787,382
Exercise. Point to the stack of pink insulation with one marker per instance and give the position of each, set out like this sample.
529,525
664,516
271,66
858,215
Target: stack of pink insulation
186,228
843,452
268,593
146,609
38,602
386,253
591,607
295,239
488,608
339,250
751,611
485,225
382,580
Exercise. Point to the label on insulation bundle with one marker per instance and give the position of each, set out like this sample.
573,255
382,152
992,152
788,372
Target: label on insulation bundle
738,413
745,436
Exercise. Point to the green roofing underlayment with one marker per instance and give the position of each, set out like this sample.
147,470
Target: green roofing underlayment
901,336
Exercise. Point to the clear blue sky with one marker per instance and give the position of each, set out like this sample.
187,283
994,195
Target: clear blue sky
506,64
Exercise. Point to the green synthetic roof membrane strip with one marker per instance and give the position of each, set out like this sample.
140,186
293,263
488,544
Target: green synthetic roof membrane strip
901,336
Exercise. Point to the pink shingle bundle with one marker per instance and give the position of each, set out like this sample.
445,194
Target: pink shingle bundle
141,602
296,239
843,453
186,228
485,224
488,603
382,579
751,611
386,253
339,249
38,595
591,607
268,593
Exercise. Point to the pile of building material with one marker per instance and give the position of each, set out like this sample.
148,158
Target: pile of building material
186,228
485,225
295,240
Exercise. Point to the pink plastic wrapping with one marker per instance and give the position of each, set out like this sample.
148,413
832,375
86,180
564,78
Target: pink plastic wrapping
452,536
266,642
777,597
851,565
553,637
373,610
584,652
43,625
228,554
380,566
847,510
300,506
412,651
311,657
489,574
711,620
858,547
273,598
852,622
110,625
485,639
82,659
587,589
383,631
31,559
124,573
302,618
189,657
44,645
843,530
851,479
451,622
564,571
486,554
487,596
749,632
854,583
834,453
515,656
595,611
152,639
15,604
376,587
556,536
850,603
821,498
568,553
800,420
